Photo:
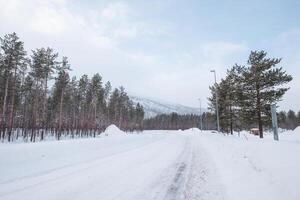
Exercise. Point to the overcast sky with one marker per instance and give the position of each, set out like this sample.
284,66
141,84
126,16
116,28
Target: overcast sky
162,49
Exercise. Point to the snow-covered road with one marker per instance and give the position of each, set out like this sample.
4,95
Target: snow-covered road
156,165
144,166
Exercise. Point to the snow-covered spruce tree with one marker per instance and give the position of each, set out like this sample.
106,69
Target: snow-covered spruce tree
261,86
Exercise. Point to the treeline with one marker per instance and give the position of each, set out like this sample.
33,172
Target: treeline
175,121
288,120
70,107
246,93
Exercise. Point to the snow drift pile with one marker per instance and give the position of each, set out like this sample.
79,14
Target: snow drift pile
113,130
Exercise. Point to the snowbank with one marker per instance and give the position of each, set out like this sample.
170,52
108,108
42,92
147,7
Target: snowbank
297,130
113,130
253,168
195,129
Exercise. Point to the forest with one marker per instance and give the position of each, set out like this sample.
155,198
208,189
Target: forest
39,99
286,120
176,121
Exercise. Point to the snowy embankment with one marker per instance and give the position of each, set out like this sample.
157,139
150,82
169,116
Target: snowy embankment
153,165
253,168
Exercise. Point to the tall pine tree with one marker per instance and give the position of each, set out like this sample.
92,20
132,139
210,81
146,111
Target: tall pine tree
262,86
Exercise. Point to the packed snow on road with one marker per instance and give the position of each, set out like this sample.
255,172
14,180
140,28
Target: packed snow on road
160,165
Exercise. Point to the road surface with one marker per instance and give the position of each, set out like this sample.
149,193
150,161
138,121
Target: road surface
156,165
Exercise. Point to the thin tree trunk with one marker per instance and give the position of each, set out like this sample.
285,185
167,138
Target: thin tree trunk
60,113
34,115
95,119
11,115
258,106
231,119
44,108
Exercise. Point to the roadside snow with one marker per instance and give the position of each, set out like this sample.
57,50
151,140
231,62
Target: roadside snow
256,168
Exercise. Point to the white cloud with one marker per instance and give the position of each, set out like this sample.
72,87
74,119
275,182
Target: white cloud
40,16
48,21
115,11
221,50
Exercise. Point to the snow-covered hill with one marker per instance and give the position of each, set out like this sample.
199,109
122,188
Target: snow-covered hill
154,107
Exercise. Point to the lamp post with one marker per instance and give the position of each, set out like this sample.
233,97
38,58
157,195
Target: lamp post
217,109
200,115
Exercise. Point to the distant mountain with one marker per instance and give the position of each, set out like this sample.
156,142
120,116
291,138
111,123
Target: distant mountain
154,107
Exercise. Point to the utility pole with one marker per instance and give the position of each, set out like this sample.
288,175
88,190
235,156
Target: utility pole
200,115
217,109
274,121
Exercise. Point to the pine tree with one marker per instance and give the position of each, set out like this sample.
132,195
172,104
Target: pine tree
96,94
262,87
114,106
44,64
282,119
139,116
291,119
28,92
13,62
226,102
212,99
60,86
107,93
83,103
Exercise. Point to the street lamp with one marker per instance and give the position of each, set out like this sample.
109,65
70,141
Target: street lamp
200,115
217,109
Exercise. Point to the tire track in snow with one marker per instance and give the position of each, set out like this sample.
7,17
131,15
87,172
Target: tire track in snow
176,188
170,184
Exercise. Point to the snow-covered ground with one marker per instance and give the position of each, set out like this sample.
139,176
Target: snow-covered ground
159,165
